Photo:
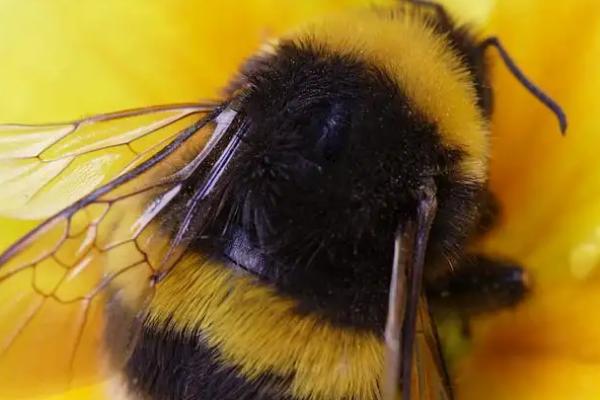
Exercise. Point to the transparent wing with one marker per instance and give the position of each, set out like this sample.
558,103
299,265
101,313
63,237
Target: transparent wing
414,369
101,256
45,168
430,377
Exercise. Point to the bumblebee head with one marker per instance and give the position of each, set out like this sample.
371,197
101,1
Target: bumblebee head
338,138
333,147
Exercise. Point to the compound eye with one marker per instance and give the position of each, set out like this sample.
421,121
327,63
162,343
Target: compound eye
333,134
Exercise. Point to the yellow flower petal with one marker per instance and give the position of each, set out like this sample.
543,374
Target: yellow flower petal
550,189
65,59
546,350
549,185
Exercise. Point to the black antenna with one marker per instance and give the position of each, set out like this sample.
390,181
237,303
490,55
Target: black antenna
533,89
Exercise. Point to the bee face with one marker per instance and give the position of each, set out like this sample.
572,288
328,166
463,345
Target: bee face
332,156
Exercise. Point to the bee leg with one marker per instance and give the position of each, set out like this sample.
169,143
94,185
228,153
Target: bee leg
479,284
489,213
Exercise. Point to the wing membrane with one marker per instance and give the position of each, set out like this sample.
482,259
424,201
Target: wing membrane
415,369
45,168
430,378
59,282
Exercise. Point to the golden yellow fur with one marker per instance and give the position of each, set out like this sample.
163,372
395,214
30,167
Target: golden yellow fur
258,331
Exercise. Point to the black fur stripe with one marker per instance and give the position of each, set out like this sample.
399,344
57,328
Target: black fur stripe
169,365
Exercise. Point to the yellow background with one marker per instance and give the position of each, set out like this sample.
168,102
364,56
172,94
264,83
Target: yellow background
63,59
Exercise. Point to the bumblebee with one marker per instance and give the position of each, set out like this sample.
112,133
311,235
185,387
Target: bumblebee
279,244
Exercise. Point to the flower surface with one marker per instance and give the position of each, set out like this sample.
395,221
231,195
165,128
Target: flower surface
63,60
